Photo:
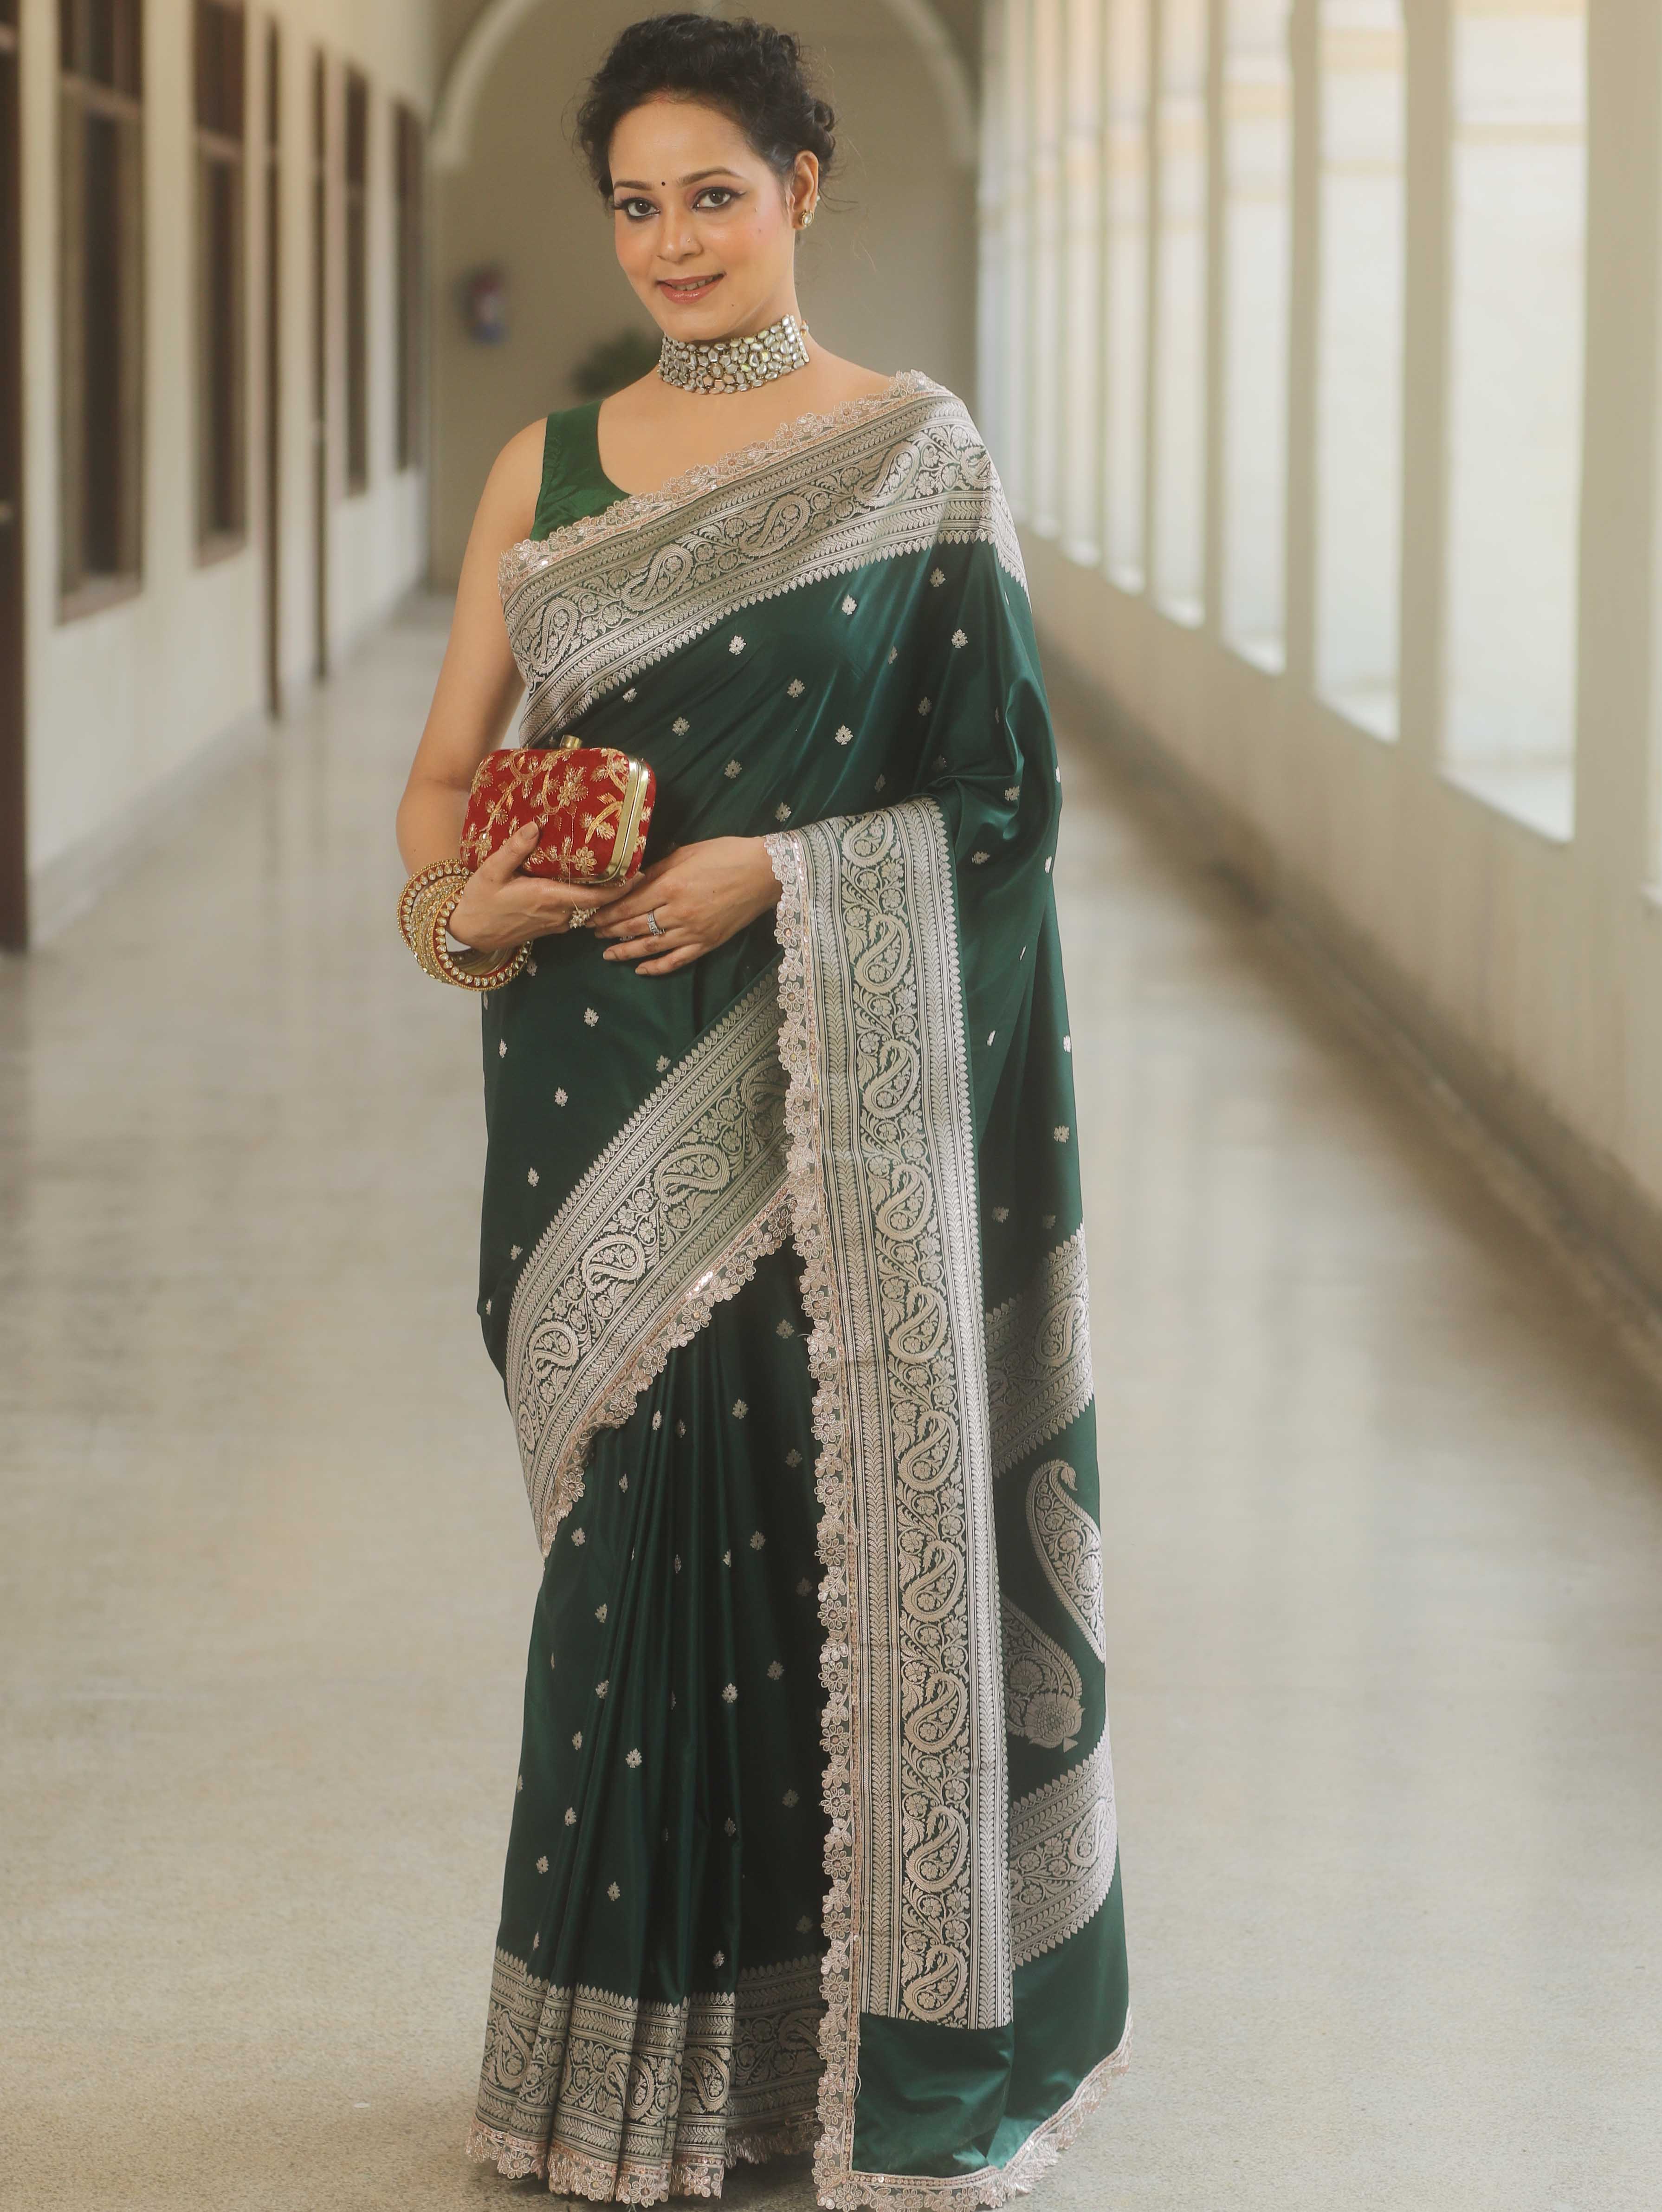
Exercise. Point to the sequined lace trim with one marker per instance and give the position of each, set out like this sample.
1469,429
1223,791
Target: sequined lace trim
669,1222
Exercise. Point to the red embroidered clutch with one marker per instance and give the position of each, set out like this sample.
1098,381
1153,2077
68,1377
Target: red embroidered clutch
593,806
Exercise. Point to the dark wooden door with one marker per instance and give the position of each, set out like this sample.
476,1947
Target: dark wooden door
272,180
14,849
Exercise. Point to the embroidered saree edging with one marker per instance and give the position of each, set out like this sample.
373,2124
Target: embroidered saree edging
991,2185
671,1220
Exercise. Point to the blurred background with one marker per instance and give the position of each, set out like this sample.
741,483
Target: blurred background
1314,339
1317,344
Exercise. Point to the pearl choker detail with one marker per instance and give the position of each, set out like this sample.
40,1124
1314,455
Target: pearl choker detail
735,364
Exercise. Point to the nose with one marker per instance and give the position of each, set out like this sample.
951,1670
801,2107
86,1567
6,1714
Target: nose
677,239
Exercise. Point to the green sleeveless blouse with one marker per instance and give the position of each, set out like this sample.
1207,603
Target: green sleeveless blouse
573,482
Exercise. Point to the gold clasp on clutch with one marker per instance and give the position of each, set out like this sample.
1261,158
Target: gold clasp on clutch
569,743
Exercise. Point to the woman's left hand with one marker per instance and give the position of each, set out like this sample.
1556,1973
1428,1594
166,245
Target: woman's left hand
700,895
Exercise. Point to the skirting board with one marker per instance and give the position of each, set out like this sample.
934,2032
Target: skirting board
1601,1227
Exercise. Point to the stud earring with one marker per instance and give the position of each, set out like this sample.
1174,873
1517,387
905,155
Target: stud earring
807,217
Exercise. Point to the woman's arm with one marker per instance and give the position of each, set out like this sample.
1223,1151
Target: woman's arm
477,690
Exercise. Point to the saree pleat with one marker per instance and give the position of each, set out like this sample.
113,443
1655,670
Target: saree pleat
782,1260
655,2005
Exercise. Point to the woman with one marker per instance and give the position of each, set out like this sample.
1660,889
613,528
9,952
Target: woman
813,1842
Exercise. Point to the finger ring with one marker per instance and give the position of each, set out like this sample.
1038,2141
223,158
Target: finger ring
655,927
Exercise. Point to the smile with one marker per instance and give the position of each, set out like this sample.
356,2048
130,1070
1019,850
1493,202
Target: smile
688,287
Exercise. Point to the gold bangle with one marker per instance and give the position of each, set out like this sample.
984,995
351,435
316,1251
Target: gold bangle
425,906
422,907
424,880
472,971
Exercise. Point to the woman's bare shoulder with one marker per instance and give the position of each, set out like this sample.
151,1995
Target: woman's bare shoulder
508,505
520,463
842,380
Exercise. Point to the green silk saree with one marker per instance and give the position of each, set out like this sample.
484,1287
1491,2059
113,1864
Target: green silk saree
813,1843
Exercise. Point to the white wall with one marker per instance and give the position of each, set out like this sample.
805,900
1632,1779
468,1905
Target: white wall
122,702
886,276
1526,954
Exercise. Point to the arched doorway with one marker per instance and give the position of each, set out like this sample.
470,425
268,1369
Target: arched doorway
889,277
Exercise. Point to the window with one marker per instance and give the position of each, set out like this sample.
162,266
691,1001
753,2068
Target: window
357,282
221,471
320,428
1125,290
1257,95
1359,360
272,332
101,307
1016,278
1045,314
1082,210
13,857
992,190
1519,186
407,186
1179,408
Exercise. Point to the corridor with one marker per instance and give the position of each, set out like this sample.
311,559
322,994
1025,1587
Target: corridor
1383,1518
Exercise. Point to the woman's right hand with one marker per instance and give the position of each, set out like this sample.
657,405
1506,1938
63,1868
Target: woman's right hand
502,907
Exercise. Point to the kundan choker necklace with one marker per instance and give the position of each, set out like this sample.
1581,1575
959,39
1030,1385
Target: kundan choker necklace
735,364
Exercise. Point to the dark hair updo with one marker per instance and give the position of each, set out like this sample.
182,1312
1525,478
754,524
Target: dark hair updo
747,69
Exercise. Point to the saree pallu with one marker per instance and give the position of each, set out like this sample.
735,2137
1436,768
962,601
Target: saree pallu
814,1840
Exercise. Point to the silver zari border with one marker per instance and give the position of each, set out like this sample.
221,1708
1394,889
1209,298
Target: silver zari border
599,601
669,1221
619,2098
1038,1357
1063,1839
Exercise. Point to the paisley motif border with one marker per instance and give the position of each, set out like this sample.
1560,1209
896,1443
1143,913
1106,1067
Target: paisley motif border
1063,1843
605,2095
1039,1358
669,1221
1067,1545
590,607
1044,1693
882,1188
